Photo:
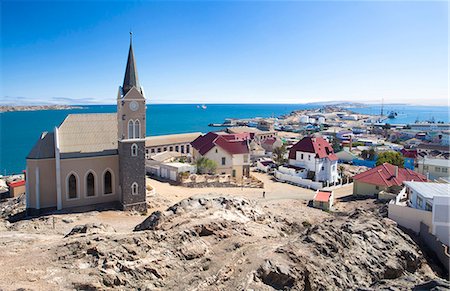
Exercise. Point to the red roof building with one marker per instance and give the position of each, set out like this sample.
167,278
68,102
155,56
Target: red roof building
17,188
317,156
231,143
230,152
317,145
389,175
323,199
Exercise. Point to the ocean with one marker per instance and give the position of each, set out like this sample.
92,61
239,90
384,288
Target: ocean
20,130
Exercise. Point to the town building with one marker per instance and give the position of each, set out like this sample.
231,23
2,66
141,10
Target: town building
423,207
435,169
316,155
180,143
16,188
323,199
432,150
256,133
420,194
346,156
271,143
385,177
230,152
93,159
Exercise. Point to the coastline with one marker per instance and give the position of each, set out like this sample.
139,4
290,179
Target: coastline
13,108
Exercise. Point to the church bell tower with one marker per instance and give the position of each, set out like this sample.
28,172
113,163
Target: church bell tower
131,111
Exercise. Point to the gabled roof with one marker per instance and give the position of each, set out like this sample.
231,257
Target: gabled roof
131,76
384,175
322,196
233,144
44,148
316,145
269,141
81,134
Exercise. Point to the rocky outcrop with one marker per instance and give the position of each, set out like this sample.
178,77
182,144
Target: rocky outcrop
231,243
90,228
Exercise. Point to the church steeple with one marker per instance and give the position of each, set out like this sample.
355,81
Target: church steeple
131,76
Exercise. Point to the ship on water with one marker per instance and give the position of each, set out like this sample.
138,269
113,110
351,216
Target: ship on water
392,115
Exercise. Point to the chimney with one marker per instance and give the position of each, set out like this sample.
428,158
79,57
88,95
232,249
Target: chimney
396,172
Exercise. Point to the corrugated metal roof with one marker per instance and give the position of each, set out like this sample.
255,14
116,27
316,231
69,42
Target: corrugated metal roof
161,140
429,189
435,162
88,133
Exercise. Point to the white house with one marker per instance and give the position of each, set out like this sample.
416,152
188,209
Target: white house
427,203
316,155
421,194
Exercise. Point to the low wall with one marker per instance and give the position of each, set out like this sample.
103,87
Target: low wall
408,217
440,249
218,181
298,181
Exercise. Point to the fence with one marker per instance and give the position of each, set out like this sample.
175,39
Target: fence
306,183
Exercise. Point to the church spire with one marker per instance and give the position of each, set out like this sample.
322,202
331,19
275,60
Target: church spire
131,77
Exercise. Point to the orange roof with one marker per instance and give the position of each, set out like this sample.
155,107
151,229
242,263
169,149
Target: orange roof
322,196
16,183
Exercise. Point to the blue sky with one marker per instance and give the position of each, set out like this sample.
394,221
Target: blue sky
226,52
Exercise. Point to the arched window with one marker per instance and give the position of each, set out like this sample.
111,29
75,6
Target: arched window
72,186
137,129
130,129
107,183
134,150
134,188
90,185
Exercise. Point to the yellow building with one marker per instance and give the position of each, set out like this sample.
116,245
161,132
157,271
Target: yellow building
230,153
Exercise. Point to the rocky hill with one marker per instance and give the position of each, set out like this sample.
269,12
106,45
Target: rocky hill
221,243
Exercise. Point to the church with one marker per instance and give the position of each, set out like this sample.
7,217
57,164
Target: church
93,159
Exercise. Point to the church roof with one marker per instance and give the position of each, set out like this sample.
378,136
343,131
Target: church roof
44,148
131,76
84,134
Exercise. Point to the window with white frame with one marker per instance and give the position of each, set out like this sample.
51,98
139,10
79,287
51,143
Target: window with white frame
444,170
437,169
130,129
134,150
137,129
134,188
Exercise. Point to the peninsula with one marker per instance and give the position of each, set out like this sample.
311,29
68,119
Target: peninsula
10,108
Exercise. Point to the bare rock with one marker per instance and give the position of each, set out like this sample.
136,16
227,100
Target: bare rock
90,228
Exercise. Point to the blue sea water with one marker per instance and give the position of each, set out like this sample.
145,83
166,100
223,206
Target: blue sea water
408,113
20,130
